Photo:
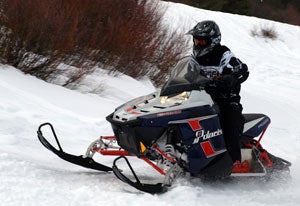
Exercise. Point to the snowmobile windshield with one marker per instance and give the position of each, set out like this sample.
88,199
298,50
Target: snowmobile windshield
185,76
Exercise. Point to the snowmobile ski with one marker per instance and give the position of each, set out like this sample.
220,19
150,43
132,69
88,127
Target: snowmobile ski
87,162
149,188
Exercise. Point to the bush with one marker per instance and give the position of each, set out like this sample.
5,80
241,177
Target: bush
265,31
124,35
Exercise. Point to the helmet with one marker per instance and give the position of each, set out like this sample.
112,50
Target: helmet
206,36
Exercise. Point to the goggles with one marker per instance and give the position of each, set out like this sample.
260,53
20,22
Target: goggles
201,41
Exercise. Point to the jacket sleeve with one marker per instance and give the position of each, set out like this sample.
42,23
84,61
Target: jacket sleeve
232,65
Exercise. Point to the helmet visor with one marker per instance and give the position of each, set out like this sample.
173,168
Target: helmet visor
201,41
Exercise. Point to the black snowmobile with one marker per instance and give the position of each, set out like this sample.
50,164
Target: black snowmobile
176,130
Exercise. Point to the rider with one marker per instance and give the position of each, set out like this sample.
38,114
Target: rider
227,73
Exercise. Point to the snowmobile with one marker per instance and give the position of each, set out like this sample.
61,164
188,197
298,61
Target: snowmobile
176,130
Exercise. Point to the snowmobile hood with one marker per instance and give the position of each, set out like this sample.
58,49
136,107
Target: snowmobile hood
156,104
184,89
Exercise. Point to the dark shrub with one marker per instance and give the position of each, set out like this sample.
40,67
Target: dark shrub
126,36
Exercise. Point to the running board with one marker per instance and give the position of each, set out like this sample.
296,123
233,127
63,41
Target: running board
247,174
257,169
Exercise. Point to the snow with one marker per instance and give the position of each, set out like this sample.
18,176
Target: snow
32,175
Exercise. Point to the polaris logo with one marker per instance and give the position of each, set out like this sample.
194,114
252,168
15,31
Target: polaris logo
208,135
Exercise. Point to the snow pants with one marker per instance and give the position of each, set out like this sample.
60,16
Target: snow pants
232,122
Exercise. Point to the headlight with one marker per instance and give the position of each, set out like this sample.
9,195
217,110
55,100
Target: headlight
178,99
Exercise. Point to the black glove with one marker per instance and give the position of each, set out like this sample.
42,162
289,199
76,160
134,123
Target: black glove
211,87
227,81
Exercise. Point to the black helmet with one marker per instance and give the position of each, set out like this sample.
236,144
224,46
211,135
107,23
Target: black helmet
206,36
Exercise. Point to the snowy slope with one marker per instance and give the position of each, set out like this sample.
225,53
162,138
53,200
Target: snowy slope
31,175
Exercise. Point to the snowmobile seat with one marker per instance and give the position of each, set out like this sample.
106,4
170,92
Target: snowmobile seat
255,124
251,117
